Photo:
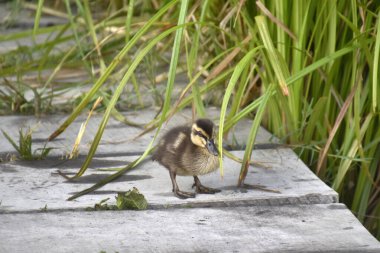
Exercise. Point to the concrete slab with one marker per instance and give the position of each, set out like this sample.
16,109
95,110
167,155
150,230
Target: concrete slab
289,228
30,186
118,138
294,212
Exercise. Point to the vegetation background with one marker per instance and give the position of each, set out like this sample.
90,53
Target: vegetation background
306,70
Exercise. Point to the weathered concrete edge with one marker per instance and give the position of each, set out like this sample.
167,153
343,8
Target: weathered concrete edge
308,199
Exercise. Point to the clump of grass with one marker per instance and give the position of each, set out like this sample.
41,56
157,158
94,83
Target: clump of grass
24,146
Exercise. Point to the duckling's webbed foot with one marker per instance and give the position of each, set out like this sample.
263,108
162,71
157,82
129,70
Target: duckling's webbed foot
176,191
203,189
184,195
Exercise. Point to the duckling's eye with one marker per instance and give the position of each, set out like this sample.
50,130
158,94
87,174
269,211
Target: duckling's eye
199,133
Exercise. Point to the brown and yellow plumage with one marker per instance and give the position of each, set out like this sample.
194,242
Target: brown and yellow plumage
189,151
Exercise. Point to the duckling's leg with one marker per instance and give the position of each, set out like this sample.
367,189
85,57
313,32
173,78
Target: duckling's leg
177,192
203,189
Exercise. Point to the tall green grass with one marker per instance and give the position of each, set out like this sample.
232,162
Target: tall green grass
306,70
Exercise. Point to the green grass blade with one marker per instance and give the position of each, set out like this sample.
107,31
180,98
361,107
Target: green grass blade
376,66
182,102
117,93
89,95
134,64
91,27
230,87
244,80
174,59
252,135
11,141
193,80
107,180
365,186
305,71
316,117
58,67
334,130
150,146
193,58
274,57
345,165
28,33
128,20
74,29
172,71
204,89
37,17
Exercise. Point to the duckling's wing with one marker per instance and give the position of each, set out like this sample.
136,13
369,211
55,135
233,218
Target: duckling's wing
173,143
175,146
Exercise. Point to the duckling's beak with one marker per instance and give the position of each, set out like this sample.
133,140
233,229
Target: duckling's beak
211,147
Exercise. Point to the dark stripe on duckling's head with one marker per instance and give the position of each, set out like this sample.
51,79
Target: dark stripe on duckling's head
206,125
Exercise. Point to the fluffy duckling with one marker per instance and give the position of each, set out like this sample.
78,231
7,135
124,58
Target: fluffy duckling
189,151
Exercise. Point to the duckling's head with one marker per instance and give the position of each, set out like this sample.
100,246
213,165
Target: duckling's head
202,135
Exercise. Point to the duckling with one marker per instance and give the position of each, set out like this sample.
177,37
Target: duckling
189,151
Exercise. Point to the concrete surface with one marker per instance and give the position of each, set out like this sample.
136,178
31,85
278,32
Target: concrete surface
288,228
292,212
118,139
